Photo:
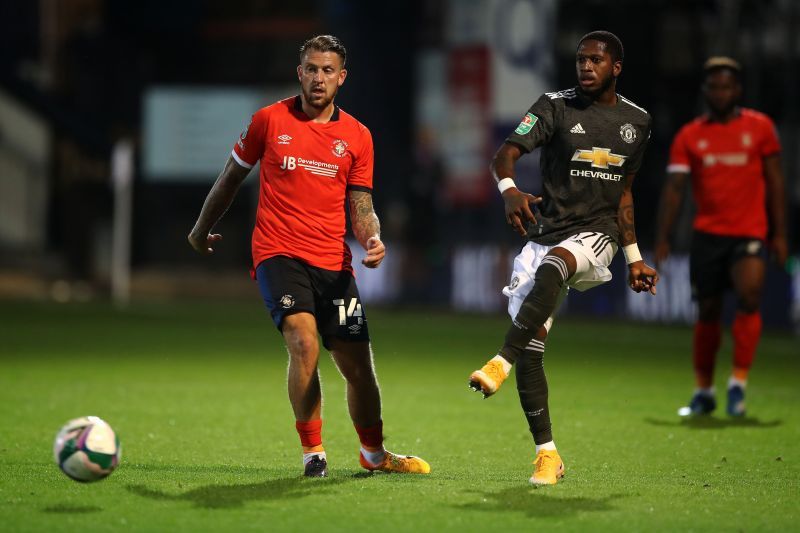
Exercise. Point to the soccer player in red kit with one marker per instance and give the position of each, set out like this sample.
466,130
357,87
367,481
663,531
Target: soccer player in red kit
732,155
313,156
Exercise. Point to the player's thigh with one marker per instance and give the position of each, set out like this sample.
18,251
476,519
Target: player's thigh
709,265
299,330
591,253
340,313
748,274
286,288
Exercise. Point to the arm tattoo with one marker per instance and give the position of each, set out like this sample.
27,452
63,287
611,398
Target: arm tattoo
363,219
627,231
220,196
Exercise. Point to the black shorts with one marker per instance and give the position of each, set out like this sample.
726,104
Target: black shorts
290,286
713,256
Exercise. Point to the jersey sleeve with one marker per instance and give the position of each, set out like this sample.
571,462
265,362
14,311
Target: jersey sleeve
770,144
635,162
679,154
536,127
360,177
250,147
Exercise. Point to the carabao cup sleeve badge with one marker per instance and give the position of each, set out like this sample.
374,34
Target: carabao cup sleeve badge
527,123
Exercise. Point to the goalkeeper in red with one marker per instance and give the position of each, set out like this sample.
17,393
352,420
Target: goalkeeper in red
313,158
592,143
731,155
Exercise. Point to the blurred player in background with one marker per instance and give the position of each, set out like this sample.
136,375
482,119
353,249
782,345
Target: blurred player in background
313,156
593,141
733,157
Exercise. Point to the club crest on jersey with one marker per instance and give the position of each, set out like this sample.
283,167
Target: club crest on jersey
628,133
339,148
528,121
284,139
286,301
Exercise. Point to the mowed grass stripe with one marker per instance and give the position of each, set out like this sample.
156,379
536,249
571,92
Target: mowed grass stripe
196,392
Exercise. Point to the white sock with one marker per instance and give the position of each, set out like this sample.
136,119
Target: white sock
735,381
506,364
706,392
546,446
308,455
374,458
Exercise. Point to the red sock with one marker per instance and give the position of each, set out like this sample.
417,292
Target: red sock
746,334
372,437
310,433
706,343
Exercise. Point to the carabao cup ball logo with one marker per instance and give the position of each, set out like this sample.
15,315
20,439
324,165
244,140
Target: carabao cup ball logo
339,148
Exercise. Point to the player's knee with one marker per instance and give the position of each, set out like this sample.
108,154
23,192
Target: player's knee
551,274
748,302
303,345
541,302
709,310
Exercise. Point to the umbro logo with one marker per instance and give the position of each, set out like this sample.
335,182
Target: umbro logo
577,128
284,139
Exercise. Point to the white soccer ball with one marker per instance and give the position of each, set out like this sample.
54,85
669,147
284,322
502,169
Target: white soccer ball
87,449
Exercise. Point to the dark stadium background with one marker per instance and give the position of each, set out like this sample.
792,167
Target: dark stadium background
83,66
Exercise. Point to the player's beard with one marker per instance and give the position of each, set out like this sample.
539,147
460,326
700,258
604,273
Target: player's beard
318,102
721,110
607,83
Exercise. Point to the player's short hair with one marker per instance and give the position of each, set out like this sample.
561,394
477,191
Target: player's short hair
613,44
324,43
716,63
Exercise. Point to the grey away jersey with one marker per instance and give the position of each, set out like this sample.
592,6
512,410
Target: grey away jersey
587,150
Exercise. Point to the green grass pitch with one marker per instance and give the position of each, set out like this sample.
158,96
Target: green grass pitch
196,392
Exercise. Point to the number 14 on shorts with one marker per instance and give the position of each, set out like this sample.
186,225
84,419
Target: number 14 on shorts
352,310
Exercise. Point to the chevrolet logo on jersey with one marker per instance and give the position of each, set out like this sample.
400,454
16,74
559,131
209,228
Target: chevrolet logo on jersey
599,158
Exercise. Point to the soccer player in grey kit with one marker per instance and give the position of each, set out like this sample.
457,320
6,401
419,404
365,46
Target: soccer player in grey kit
592,141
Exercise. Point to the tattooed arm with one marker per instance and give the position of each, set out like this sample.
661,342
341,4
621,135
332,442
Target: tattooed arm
641,277
217,202
366,227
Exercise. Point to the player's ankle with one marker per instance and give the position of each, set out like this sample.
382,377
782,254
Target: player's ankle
308,456
546,446
374,456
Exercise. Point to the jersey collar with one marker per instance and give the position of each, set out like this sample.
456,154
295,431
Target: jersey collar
298,106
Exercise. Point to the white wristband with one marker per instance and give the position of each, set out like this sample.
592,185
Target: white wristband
631,253
504,184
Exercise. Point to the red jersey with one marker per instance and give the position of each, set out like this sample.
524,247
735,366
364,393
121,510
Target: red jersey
726,166
306,170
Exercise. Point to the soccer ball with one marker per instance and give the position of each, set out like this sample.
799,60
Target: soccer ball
86,449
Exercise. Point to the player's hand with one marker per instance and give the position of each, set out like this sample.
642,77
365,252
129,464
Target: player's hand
662,252
518,208
779,250
204,244
642,278
376,251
